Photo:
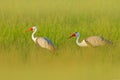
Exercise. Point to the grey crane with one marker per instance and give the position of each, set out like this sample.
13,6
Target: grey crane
42,41
90,41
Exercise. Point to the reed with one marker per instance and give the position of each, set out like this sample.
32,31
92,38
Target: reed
57,19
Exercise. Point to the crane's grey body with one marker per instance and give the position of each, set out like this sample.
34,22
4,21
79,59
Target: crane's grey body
97,41
45,43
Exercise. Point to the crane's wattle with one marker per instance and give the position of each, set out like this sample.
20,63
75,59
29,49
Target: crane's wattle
73,35
30,29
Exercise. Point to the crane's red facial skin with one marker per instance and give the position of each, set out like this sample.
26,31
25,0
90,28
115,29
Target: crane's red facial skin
73,35
30,29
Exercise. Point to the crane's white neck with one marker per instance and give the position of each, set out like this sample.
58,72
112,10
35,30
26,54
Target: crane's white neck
34,38
83,43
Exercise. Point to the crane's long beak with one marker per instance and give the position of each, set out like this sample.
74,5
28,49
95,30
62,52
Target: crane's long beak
70,37
73,35
30,29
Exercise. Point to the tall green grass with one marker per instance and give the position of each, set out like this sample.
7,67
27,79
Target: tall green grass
57,19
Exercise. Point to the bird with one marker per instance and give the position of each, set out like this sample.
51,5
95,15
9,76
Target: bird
42,41
90,41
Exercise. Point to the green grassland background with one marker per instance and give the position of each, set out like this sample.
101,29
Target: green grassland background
21,58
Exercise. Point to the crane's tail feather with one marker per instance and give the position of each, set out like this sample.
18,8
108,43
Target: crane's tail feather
108,42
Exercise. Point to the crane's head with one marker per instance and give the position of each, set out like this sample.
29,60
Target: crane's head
34,28
75,34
